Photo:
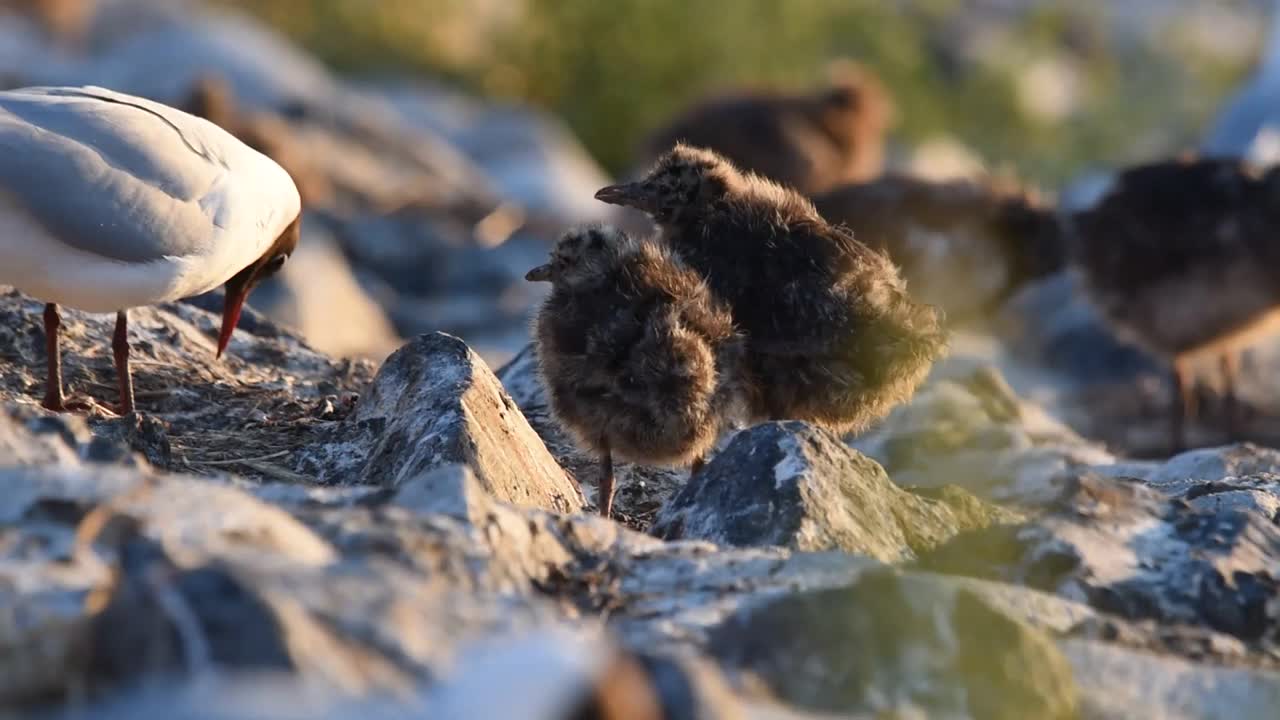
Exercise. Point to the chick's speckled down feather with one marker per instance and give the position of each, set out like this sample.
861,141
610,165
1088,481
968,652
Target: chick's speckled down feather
832,335
637,357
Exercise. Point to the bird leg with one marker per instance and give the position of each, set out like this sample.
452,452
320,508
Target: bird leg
1229,366
120,347
604,491
1184,405
53,398
697,465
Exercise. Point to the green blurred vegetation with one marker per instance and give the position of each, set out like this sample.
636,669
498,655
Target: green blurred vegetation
614,69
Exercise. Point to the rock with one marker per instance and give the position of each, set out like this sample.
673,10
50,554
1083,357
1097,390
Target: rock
1131,551
641,490
451,490
548,675
264,69
316,294
188,518
793,485
33,436
532,158
252,411
1114,681
974,432
1195,467
236,696
882,647
434,402
143,433
1052,323
190,575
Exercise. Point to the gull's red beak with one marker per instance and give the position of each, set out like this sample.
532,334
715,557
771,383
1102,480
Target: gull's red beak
231,314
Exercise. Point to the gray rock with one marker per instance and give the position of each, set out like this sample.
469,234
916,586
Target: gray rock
1242,477
1131,551
548,676
796,486
1115,682
259,695
881,646
434,402
264,69
451,490
531,157
1051,323
251,412
1209,464
973,431
317,294
190,576
32,436
312,496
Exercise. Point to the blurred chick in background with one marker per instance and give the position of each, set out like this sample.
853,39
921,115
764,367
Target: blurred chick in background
807,141
1180,257
962,245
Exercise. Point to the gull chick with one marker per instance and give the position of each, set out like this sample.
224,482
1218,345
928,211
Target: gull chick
809,141
638,360
1180,258
832,335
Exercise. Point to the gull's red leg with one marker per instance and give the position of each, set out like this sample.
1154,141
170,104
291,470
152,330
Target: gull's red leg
120,347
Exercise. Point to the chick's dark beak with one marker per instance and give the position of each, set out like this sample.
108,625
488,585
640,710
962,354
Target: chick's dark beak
542,273
627,194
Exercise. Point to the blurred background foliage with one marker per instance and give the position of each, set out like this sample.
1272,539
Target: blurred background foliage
1044,88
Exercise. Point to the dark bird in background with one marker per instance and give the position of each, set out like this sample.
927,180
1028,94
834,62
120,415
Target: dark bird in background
1181,258
808,141
832,335
963,245
638,360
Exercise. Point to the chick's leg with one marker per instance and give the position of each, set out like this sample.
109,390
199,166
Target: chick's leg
604,492
1229,365
1184,405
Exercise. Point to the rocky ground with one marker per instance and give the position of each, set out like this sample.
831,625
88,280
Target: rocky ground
284,534
300,537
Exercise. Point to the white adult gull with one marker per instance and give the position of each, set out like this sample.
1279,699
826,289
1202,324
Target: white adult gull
109,201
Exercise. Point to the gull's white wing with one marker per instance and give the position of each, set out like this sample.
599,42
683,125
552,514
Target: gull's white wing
135,181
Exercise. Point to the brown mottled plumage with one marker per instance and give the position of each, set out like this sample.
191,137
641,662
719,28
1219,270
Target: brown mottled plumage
963,245
810,141
639,361
1181,258
832,335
